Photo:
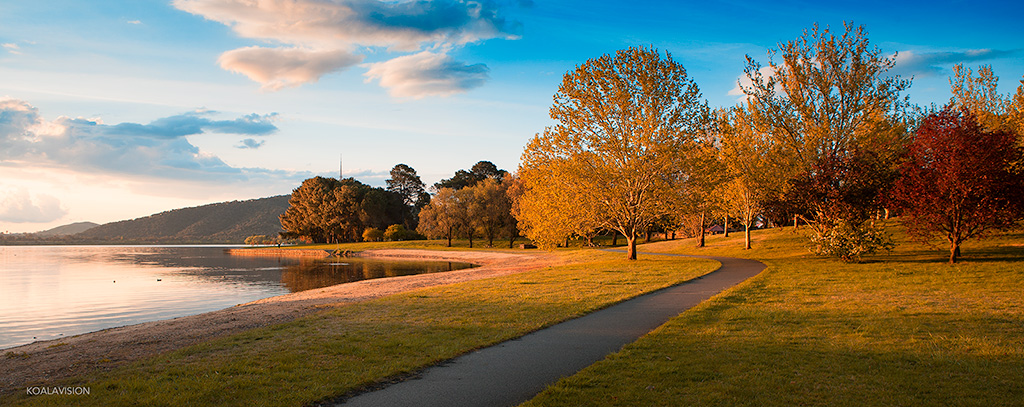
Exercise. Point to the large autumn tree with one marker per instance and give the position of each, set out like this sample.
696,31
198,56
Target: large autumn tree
620,151
834,110
956,183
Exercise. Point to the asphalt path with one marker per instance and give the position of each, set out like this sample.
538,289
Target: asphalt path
514,371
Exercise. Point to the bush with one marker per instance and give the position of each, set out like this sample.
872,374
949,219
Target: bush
849,241
372,235
259,239
398,232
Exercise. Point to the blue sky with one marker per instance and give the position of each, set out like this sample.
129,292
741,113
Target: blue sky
113,110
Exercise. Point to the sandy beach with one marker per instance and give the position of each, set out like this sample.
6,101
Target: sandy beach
44,362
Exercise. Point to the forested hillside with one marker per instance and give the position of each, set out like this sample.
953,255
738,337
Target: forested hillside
225,222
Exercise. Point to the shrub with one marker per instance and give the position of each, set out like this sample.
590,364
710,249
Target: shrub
849,241
373,235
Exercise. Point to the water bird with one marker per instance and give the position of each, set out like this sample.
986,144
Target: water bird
159,279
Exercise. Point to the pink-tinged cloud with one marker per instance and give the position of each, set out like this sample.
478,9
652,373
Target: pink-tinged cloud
277,68
403,25
311,34
426,74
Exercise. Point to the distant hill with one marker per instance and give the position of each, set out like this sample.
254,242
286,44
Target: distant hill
70,229
225,222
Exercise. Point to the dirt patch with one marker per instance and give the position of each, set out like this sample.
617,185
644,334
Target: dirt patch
42,363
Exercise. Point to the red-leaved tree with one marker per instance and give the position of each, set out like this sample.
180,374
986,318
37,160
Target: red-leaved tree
956,182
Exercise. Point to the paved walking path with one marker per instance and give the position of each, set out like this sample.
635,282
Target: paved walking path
514,371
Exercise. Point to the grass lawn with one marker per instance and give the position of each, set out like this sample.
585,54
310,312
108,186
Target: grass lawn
904,328
351,346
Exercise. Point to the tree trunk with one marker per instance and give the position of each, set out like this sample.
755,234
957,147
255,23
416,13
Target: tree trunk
615,238
631,244
470,240
726,225
954,252
566,241
673,235
795,220
647,239
746,236
449,240
511,240
700,236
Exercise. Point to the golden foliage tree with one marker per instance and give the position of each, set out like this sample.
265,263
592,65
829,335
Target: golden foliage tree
978,94
830,104
756,167
445,216
619,154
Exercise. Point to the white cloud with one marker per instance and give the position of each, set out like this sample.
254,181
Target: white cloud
18,205
743,81
277,68
938,63
12,48
313,33
159,149
426,74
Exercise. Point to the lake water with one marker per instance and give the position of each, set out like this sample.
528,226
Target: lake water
49,292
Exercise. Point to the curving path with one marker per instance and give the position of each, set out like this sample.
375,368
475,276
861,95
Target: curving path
514,371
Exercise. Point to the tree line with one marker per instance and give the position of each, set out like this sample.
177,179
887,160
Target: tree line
825,137
473,203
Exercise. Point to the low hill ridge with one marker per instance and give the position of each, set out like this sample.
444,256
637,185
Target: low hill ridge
224,222
69,229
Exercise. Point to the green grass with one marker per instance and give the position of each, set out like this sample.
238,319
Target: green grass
904,328
351,346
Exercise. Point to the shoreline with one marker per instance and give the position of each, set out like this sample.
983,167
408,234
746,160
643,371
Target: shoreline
43,362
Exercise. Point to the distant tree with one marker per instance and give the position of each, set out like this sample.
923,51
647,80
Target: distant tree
372,235
445,216
995,111
621,149
326,210
259,239
396,233
487,169
480,171
956,182
406,184
830,106
380,208
748,156
979,94
309,211
490,209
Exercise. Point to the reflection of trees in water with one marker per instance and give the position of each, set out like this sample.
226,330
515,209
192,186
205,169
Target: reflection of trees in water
310,274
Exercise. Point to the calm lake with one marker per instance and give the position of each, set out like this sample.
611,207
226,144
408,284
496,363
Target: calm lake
49,292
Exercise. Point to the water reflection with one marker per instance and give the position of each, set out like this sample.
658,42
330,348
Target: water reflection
310,274
51,291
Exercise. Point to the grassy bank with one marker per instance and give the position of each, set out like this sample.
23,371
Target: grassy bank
345,348
903,329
